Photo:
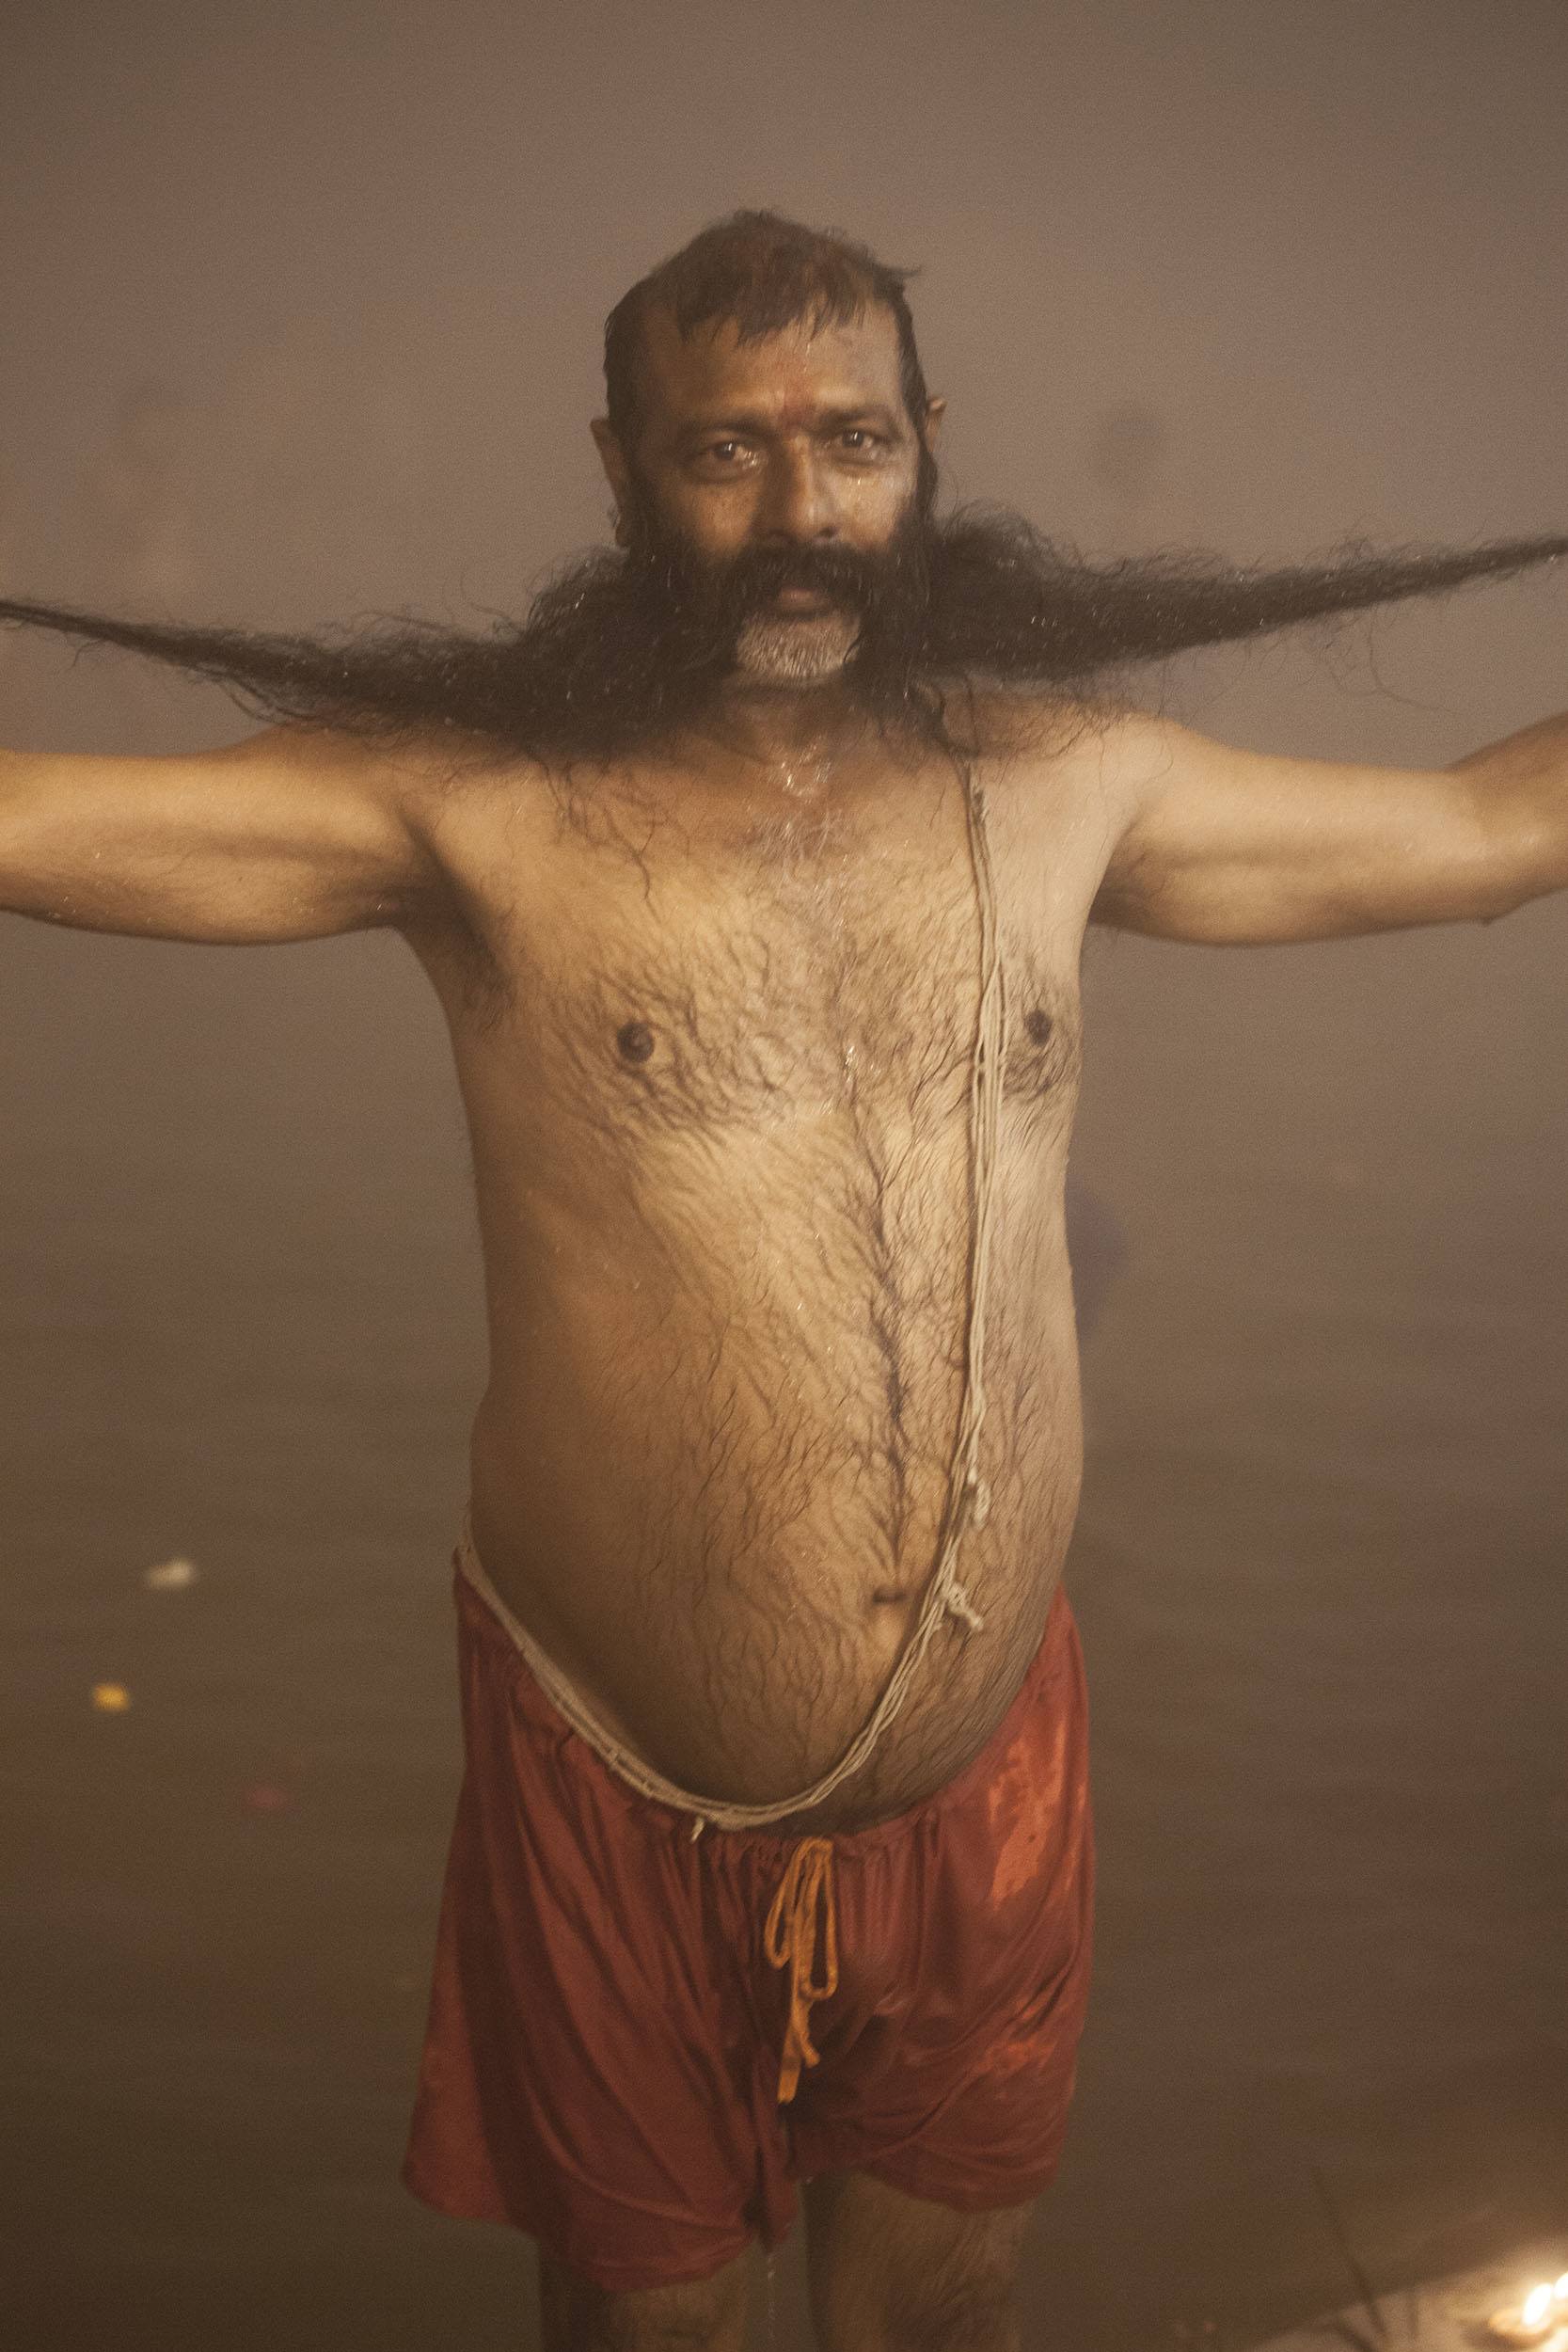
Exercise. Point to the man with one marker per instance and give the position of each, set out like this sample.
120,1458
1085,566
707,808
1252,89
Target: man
752,872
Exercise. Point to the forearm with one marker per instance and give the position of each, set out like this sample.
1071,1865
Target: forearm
1521,786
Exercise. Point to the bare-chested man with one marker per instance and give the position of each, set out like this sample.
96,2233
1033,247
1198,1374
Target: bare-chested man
752,873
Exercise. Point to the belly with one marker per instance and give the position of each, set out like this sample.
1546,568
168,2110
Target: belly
720,1524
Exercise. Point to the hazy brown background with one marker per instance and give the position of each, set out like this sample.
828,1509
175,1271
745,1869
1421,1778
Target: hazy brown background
301,309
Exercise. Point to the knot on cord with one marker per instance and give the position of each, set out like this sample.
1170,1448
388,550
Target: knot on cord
804,1895
964,1609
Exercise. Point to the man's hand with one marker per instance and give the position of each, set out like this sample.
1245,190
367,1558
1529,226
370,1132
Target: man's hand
292,834
1241,849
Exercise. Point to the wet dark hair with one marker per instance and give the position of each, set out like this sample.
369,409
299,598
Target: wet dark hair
759,273
620,653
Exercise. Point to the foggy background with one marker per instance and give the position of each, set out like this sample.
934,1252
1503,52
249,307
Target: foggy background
301,310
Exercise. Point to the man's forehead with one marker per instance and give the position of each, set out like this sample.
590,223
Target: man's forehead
838,366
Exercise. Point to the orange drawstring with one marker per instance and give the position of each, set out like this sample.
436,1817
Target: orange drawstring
791,1936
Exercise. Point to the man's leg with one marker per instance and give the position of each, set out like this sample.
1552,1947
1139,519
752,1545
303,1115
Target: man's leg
893,2273
702,2315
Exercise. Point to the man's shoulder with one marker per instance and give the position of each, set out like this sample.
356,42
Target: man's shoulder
1106,741
447,781
469,804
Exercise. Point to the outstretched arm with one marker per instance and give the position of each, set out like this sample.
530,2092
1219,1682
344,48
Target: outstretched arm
1241,849
294,834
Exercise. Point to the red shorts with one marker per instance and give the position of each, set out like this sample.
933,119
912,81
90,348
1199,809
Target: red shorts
602,2062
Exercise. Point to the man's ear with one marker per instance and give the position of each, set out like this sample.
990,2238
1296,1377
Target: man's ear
935,411
613,457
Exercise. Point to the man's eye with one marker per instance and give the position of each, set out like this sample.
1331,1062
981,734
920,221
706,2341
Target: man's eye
863,436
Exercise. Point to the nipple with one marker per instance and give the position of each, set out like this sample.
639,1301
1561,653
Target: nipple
636,1041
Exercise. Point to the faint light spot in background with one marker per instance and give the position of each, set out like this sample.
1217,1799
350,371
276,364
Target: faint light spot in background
1127,451
170,1576
135,528
266,1796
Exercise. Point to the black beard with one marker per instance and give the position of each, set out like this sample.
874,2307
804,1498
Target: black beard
624,653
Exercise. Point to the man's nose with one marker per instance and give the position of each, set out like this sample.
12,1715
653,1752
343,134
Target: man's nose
799,505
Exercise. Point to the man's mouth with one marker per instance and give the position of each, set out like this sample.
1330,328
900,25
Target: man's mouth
804,601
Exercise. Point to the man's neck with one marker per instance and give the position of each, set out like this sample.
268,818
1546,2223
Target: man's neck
797,738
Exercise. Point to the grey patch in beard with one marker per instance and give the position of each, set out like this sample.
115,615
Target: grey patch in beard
805,652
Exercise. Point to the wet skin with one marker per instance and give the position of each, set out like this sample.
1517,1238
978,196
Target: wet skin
713,1021
718,1076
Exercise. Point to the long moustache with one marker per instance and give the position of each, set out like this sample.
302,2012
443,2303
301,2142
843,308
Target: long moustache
1007,601
600,664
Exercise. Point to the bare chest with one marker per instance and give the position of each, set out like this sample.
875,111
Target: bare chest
686,980
719,1066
